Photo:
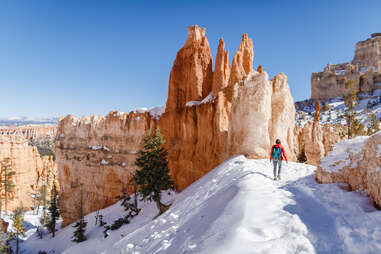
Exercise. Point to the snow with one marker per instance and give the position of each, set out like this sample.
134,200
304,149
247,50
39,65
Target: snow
192,103
335,115
156,112
141,110
238,208
95,147
104,162
207,99
340,72
379,150
339,156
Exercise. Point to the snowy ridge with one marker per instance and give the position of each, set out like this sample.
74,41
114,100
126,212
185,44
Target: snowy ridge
238,208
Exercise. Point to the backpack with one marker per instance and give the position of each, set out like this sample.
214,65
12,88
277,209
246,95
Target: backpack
277,153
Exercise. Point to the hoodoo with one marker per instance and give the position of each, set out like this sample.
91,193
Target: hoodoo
202,128
192,72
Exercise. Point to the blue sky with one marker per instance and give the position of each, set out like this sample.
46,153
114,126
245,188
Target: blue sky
91,57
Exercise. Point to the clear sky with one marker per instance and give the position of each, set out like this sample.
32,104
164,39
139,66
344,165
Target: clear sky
91,57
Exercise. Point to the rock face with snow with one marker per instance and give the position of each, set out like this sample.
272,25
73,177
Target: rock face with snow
364,70
95,157
30,170
317,139
192,72
201,127
356,162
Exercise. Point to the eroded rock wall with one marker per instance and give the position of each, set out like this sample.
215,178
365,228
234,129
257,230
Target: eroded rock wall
30,170
95,157
30,131
356,162
364,70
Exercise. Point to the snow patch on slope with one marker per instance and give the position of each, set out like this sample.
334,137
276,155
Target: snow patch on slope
339,156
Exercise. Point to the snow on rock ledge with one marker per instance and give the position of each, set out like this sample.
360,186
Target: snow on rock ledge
356,162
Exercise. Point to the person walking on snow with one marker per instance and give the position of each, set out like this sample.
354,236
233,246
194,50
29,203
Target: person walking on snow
277,154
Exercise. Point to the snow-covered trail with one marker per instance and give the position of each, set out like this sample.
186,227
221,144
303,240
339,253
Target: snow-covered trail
238,208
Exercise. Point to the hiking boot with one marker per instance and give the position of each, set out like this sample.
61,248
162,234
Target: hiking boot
278,177
275,178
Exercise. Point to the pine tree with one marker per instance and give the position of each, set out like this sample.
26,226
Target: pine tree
44,217
18,219
8,185
43,196
153,176
53,211
373,125
351,103
80,225
4,240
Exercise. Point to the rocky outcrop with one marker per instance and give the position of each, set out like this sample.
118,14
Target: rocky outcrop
222,69
317,139
30,170
364,70
192,72
242,60
30,131
202,129
356,162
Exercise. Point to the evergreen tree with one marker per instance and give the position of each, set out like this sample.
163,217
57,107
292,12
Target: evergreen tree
80,225
351,104
4,240
44,217
43,196
153,175
53,211
18,219
8,185
373,125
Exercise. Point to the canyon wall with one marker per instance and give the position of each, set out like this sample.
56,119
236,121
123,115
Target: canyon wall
95,157
209,117
364,70
30,131
356,162
30,169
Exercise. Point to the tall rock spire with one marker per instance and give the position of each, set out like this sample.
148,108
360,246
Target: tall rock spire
222,68
242,60
192,72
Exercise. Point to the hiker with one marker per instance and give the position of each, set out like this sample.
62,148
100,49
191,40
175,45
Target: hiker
277,154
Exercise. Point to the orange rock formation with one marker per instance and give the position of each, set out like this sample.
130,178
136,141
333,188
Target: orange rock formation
244,114
30,169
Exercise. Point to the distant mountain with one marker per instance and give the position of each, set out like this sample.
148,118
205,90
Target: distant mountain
23,120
